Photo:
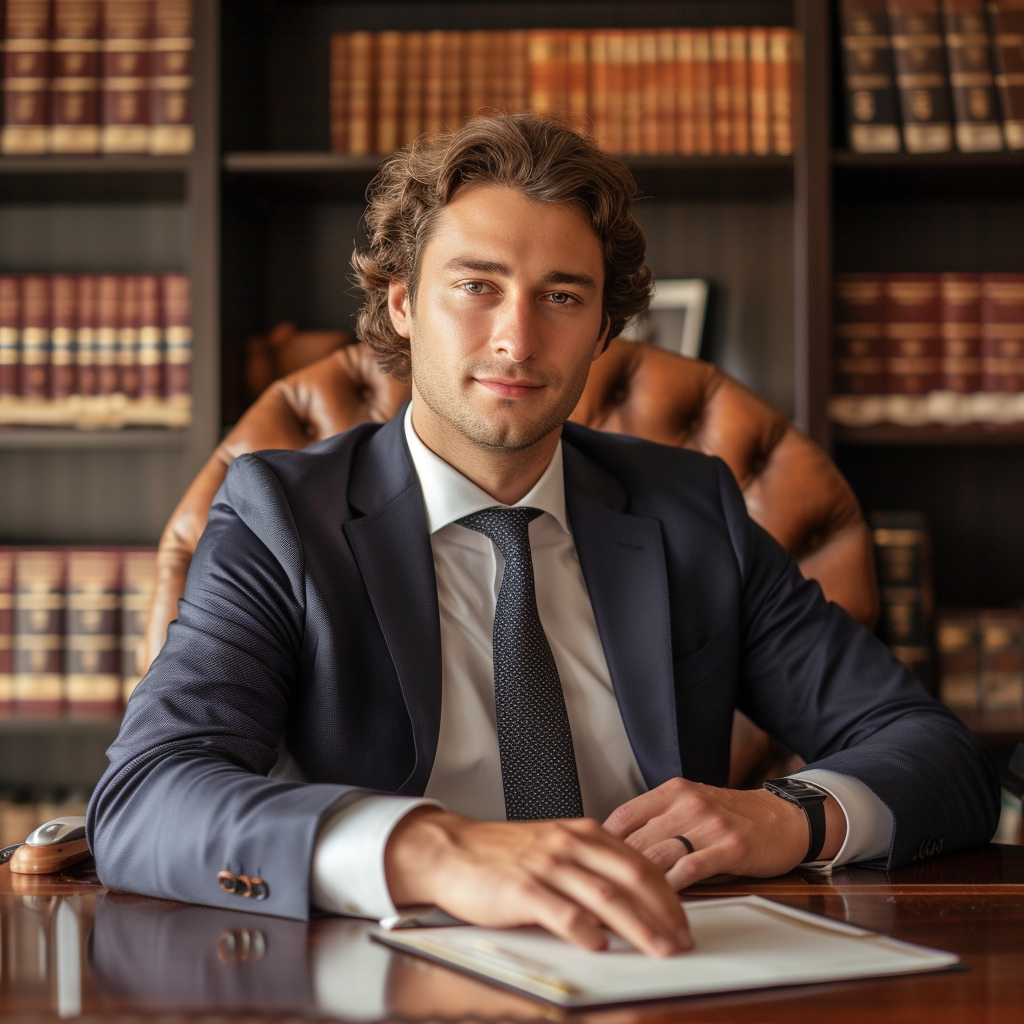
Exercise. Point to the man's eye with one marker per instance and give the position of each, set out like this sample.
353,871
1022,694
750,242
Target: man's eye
475,287
561,298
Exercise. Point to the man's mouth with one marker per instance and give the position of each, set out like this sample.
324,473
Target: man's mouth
509,388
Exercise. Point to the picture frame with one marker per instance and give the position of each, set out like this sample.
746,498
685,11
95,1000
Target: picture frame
675,318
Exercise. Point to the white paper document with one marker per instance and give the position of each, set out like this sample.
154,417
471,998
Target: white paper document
741,942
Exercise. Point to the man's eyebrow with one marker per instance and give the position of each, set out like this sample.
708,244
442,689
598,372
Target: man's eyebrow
491,267
565,277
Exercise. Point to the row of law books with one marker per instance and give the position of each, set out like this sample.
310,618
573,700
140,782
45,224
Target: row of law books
933,75
639,91
919,349
95,350
981,659
19,817
97,76
72,628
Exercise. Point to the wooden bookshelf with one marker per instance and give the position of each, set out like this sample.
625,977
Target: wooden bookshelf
57,439
968,436
63,752
998,728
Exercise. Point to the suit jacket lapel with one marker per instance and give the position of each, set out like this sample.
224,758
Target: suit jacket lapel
391,545
623,562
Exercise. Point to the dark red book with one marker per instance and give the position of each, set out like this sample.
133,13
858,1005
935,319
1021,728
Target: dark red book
1002,332
26,76
177,309
92,641
6,630
86,368
127,27
151,338
35,336
10,334
75,77
170,84
63,328
128,337
913,314
1006,21
960,295
108,309
859,342
39,630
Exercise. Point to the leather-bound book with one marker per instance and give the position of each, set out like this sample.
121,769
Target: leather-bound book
721,90
361,110
872,117
413,73
477,56
453,80
913,314
739,91
960,295
127,28
632,93
150,339
686,125
75,77
128,338
616,52
6,630
92,635
496,77
63,328
957,640
1006,22
35,336
780,60
667,86
547,71
1001,682
760,92
39,630
10,336
177,309
577,85
704,139
859,345
86,369
26,76
108,311
170,85
599,97
918,54
975,108
138,581
433,85
339,85
389,86
1002,332
517,70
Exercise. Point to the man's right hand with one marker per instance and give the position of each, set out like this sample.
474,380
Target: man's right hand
570,876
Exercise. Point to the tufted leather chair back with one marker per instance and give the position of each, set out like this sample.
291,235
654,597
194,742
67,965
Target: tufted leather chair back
791,486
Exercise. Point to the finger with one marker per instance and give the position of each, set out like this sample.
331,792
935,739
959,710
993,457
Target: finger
691,812
628,817
664,854
623,913
700,865
562,916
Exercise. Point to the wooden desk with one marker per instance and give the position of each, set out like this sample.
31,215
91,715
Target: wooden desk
69,947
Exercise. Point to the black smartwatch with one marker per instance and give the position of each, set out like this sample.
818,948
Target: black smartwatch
812,801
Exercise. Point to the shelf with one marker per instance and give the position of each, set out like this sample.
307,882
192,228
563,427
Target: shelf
60,752
318,175
108,178
987,436
996,727
928,175
60,725
58,439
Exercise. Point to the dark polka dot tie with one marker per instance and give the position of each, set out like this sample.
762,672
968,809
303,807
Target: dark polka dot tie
538,765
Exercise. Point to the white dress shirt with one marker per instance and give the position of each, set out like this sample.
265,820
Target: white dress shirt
348,859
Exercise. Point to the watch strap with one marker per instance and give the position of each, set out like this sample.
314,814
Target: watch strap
813,807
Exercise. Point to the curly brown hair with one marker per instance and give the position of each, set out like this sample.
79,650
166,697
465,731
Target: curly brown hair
546,159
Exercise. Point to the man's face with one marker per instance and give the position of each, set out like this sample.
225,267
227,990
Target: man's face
507,316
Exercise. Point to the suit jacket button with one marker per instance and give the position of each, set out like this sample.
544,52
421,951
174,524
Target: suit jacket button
228,881
243,887
258,889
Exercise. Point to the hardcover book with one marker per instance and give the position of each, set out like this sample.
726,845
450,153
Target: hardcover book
780,56
760,91
686,125
913,339
860,344
75,83
127,27
150,339
739,91
957,640
108,312
35,336
177,308
128,338
38,630
1001,686
6,630
704,138
960,296
1006,21
86,370
64,303
721,89
1002,332
92,670
138,581
10,336
27,30
170,84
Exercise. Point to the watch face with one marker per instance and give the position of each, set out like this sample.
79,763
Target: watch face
797,790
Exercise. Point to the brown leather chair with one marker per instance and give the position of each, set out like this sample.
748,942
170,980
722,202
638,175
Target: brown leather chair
791,486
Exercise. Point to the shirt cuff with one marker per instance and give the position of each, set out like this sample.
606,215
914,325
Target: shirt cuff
348,858
869,823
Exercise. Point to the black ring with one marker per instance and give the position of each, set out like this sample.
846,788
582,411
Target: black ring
686,842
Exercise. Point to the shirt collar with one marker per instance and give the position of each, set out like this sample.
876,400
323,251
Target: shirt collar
448,495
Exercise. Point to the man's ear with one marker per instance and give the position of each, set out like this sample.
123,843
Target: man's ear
398,308
603,338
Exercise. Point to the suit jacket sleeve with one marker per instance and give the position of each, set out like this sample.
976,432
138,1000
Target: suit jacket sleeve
187,793
834,693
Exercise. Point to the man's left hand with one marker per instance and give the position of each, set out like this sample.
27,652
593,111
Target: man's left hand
739,832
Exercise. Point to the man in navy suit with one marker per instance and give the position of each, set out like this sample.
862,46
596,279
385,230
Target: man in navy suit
487,660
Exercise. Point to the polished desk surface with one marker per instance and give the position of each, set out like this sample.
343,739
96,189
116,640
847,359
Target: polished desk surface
70,948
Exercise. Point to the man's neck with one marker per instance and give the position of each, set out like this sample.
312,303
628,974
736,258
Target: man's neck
507,476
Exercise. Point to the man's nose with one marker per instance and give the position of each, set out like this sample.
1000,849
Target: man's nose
515,331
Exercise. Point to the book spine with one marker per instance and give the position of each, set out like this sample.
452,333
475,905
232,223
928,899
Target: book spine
478,53
1001,672
360,90
578,94
1002,332
433,89
177,309
389,85
453,81
64,307
151,339
26,77
632,97
10,335
517,69
913,338
780,56
35,337
859,345
667,86
339,98
92,656
86,369
6,630
38,630
975,107
958,648
704,139
545,56
721,108
598,86
496,73
917,45
75,77
170,92
125,103
138,582
739,91
128,338
108,307
1006,20
616,42
760,92
872,119
686,125
961,332
413,72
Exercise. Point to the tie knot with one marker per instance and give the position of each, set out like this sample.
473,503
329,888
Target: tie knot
509,528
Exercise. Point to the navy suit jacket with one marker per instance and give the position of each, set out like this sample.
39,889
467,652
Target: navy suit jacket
310,621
